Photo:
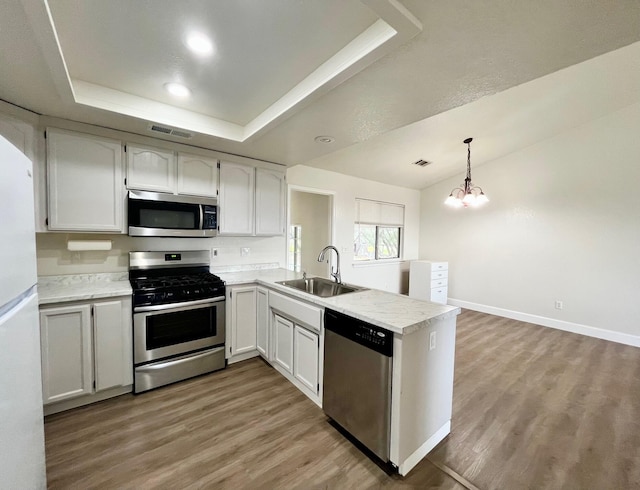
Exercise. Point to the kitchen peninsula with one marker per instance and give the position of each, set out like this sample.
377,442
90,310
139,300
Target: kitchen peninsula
423,354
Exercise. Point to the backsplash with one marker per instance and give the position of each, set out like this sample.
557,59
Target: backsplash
54,258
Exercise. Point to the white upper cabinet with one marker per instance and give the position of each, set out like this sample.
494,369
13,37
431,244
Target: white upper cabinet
270,202
156,170
197,175
252,200
237,188
150,169
85,182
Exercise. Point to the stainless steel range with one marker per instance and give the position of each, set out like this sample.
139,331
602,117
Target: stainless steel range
178,317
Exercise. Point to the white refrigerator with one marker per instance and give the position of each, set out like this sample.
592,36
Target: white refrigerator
22,462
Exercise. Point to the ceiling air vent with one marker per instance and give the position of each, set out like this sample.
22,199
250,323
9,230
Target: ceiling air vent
421,163
173,132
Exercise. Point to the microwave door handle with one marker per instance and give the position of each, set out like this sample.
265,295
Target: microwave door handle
201,208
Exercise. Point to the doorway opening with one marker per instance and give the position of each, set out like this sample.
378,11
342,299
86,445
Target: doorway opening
310,230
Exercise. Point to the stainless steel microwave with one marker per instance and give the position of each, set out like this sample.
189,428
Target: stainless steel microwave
168,215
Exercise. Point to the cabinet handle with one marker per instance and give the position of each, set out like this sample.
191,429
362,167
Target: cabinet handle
177,362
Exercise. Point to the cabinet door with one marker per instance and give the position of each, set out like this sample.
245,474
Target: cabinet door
283,342
270,206
65,342
112,339
243,319
86,189
197,176
262,322
439,295
305,365
236,200
150,169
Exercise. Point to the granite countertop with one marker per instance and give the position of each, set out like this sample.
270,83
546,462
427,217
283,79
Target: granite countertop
395,312
78,287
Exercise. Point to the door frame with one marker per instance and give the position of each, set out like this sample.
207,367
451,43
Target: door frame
332,219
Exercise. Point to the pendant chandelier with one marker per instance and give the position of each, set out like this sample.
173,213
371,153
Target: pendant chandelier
467,194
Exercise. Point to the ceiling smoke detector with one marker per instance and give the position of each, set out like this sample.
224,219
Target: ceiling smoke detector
324,139
180,133
421,163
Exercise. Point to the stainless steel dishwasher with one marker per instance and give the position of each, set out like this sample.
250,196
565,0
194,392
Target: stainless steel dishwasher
357,379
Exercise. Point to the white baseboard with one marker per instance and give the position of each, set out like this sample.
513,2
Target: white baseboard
243,357
63,405
598,333
407,465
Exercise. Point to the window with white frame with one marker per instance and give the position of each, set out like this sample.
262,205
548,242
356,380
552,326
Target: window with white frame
377,230
294,248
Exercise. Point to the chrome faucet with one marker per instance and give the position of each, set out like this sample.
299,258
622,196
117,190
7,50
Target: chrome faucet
336,274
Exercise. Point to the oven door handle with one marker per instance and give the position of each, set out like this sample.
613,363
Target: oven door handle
178,306
201,208
177,361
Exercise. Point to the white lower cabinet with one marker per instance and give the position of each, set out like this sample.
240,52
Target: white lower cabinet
86,349
305,362
262,322
283,342
66,345
243,320
285,331
296,328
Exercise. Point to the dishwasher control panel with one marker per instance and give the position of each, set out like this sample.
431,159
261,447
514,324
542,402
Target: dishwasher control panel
363,333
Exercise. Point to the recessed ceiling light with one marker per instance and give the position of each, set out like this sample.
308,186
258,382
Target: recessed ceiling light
325,139
177,89
199,44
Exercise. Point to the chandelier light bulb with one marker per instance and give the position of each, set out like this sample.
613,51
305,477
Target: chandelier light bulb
469,199
482,198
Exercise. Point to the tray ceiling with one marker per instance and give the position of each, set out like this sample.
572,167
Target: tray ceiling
506,73
267,57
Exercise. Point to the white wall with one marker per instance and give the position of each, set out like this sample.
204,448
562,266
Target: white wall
390,276
563,224
55,259
312,213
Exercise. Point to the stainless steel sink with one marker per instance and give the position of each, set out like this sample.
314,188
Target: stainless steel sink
320,286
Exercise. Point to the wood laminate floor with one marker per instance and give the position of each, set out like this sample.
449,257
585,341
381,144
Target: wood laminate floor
533,408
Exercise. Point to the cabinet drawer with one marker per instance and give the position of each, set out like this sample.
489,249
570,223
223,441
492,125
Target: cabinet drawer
439,295
439,266
439,283
441,274
303,313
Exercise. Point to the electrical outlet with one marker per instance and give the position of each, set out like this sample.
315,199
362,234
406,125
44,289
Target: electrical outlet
559,305
214,253
244,251
432,340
